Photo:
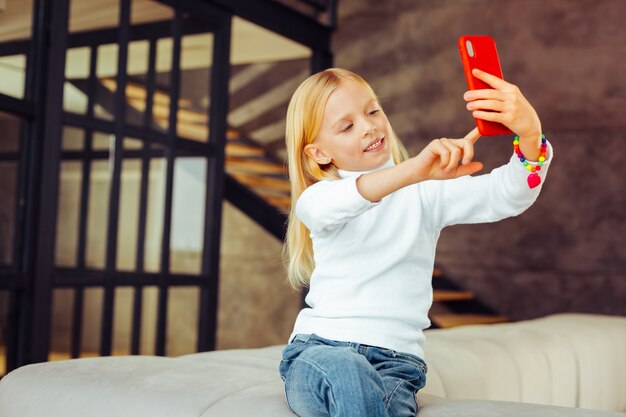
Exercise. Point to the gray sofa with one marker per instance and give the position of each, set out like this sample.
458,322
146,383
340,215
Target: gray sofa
561,365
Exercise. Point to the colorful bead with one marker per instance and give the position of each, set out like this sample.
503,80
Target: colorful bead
533,179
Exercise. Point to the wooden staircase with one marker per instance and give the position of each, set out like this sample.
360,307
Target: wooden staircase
454,306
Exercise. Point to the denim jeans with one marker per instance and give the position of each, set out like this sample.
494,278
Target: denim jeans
329,378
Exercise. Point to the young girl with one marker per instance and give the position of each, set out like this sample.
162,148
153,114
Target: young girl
362,232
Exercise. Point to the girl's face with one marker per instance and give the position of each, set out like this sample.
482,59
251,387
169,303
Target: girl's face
355,133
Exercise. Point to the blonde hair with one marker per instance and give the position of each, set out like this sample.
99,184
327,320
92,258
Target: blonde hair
304,118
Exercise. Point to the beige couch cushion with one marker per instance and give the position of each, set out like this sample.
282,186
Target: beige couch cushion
575,360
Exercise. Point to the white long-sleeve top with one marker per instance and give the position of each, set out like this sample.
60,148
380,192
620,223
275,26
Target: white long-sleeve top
374,261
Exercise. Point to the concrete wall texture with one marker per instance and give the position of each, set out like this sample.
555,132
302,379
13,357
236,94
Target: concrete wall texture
568,251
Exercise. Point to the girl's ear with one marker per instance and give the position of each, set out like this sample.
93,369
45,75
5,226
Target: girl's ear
317,154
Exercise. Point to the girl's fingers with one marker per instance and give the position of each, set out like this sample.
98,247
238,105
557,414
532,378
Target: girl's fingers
495,105
469,169
490,79
455,154
489,94
450,152
442,151
468,152
489,116
473,135
467,145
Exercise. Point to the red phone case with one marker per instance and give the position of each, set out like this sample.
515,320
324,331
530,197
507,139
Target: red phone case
485,58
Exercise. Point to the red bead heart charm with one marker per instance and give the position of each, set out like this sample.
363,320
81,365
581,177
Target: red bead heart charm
534,180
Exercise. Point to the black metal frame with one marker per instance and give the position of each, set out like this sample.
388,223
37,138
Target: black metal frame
33,276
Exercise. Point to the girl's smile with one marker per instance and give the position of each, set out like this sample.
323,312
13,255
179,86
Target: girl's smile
376,145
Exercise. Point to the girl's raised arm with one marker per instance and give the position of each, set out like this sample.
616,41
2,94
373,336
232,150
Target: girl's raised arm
439,160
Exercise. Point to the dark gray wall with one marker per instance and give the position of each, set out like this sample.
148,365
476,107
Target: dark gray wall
568,251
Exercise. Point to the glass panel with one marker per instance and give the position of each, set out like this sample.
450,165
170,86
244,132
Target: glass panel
8,194
68,214
98,214
13,75
73,139
11,129
103,141
195,61
75,90
106,71
130,188
136,83
149,320
161,107
154,215
89,15
145,11
188,204
133,144
101,113
122,320
15,25
182,321
92,322
61,324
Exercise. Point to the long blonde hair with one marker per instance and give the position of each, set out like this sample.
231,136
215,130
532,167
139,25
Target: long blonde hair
304,118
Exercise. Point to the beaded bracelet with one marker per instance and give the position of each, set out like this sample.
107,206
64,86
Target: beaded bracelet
533,179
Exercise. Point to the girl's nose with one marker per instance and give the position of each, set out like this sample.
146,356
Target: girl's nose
369,130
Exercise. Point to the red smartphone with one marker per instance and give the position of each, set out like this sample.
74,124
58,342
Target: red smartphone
480,52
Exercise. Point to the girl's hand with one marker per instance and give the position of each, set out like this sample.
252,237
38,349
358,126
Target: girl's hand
440,159
507,104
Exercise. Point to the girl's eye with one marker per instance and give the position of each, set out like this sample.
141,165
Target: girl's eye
347,128
374,112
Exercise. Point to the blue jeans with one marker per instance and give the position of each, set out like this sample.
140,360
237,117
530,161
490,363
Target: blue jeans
329,378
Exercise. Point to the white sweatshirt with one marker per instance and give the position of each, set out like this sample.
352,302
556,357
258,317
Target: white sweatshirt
374,261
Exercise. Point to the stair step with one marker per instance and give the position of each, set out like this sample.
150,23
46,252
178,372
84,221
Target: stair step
243,150
446,321
283,203
452,295
255,181
253,166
